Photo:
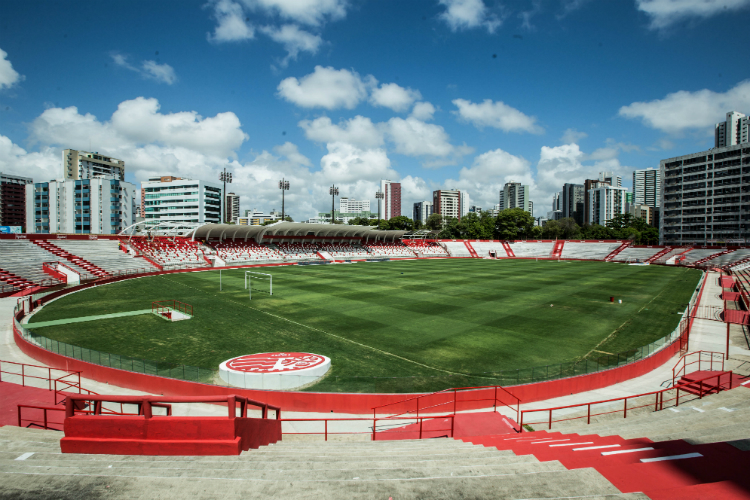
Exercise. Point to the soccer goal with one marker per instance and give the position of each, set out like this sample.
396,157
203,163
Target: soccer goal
263,277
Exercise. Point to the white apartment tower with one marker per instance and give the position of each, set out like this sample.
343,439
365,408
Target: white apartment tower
733,131
614,180
233,207
352,206
465,203
86,165
646,187
515,195
182,200
605,202
447,202
422,211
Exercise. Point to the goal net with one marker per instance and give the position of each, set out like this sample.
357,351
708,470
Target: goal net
260,282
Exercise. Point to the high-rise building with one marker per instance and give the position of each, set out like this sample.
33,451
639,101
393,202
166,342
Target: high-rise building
447,202
515,195
232,206
611,178
352,206
183,200
588,185
628,201
573,202
256,217
646,187
392,198
465,203
98,205
422,211
13,199
705,197
87,165
605,202
733,131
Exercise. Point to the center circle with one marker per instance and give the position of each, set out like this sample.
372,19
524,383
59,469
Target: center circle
274,370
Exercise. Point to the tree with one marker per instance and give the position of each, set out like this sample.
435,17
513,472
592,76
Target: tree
450,230
401,222
552,230
359,221
536,233
513,224
470,227
434,222
570,229
383,225
597,232
650,236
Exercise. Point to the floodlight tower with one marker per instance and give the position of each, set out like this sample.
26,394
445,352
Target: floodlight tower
284,186
334,192
379,195
226,177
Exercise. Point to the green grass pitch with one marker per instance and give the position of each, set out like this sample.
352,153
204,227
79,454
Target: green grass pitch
400,326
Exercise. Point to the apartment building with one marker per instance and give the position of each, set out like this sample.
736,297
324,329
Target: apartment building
515,195
447,202
232,204
733,131
78,165
605,203
647,187
13,199
182,200
391,198
422,211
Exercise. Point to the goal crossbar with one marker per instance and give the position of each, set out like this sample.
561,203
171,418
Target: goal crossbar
249,275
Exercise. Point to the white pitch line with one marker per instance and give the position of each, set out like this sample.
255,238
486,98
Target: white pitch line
673,457
698,409
607,453
726,409
597,447
675,410
25,456
570,444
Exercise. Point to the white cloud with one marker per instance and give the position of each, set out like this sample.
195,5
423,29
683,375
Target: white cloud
393,96
346,163
291,151
664,13
294,40
231,23
467,14
41,166
423,111
358,131
8,76
571,6
163,73
310,12
685,110
326,88
497,115
572,135
413,137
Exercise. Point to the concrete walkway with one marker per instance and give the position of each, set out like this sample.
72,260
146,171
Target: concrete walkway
707,335
82,319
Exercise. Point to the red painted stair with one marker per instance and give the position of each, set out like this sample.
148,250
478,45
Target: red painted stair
657,256
616,251
508,249
711,257
557,249
83,263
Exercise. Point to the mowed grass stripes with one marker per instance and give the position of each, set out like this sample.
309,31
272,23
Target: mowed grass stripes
393,326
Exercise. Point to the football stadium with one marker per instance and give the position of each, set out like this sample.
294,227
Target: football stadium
397,358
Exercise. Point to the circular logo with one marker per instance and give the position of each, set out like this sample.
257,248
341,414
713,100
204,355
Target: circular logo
275,362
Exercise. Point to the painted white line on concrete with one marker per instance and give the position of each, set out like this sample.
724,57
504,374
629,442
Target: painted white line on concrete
726,409
551,441
672,457
698,409
745,383
25,456
570,444
606,453
675,410
597,447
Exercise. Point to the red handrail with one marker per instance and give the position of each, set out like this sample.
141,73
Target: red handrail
145,403
454,401
326,432
685,364
45,408
658,404
48,378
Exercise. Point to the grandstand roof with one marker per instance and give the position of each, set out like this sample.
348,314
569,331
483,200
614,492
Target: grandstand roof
292,230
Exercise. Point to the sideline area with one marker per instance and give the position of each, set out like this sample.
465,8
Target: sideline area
705,335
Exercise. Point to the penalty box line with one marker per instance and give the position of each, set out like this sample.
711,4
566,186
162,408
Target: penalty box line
327,333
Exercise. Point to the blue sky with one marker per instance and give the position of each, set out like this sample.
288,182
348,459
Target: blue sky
433,93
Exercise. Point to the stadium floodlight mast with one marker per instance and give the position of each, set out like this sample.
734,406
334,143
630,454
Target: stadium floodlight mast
226,177
379,195
334,192
284,186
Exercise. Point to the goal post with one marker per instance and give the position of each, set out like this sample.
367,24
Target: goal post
249,275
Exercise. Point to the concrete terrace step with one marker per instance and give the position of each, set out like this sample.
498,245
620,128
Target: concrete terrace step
281,474
555,484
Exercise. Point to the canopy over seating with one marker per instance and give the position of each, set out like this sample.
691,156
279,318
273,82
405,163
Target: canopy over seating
289,231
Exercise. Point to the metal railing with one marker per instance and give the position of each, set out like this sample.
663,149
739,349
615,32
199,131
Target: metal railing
703,389
34,422
683,364
418,433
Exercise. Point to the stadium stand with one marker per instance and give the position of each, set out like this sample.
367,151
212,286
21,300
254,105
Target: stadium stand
344,251
105,254
697,254
299,251
170,251
24,260
587,250
427,248
457,249
245,251
382,249
60,253
730,259
435,468
528,249
637,254
671,252
483,248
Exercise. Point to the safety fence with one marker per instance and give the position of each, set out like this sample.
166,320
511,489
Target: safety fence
386,427
704,360
655,400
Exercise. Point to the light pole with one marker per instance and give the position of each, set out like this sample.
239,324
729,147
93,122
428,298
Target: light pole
379,195
334,192
226,177
284,186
